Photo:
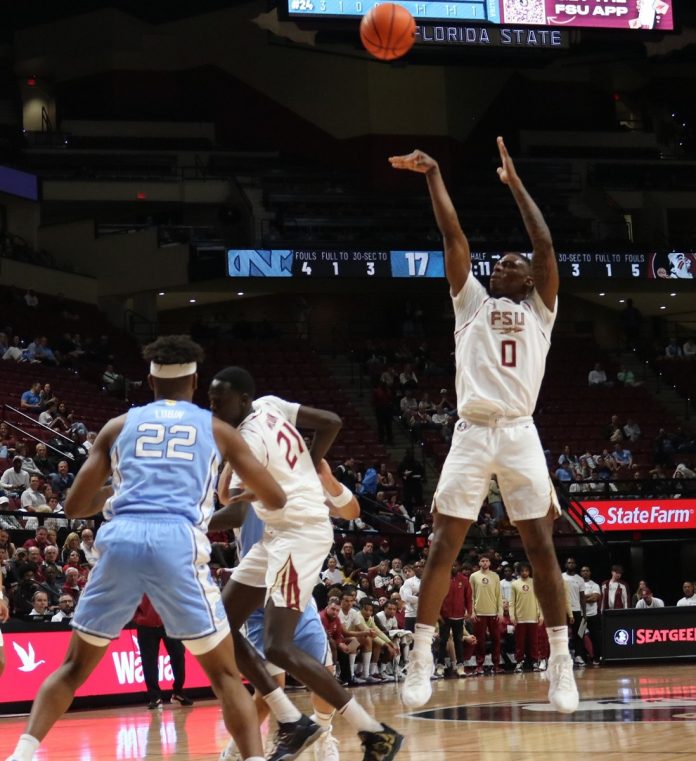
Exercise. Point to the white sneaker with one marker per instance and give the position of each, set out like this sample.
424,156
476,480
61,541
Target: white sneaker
417,688
563,692
579,662
439,671
461,671
326,748
230,753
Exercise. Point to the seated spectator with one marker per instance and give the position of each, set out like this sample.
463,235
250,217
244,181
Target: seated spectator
426,406
63,479
7,441
8,521
66,609
689,348
369,482
72,544
75,561
401,638
64,417
30,401
364,588
598,377
22,595
385,477
14,480
621,456
39,351
42,462
333,573
89,440
388,377
39,605
51,585
673,350
564,474
51,553
31,299
114,382
407,378
408,406
51,419
28,463
89,551
689,598
445,405
631,430
366,558
682,471
346,555
627,378
380,578
72,584
382,647
648,601
40,540
346,474
567,456
614,430
47,395
15,352
337,641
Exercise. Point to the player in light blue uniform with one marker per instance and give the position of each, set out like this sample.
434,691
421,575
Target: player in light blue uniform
163,459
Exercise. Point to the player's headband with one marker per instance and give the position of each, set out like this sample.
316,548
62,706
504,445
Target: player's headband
172,371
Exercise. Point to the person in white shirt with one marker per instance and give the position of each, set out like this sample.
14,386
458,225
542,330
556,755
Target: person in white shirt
648,601
506,585
593,595
576,587
689,348
689,596
409,592
401,638
87,546
357,635
333,573
15,480
32,497
598,377
40,602
66,608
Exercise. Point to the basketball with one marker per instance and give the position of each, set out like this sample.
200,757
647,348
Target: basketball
388,31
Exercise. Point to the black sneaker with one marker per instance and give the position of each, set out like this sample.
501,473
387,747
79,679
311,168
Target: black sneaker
181,699
154,703
291,738
381,746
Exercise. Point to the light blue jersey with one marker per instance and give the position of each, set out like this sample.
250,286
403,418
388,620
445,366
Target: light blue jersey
165,461
250,532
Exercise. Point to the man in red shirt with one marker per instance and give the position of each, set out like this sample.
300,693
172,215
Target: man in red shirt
336,636
455,608
150,630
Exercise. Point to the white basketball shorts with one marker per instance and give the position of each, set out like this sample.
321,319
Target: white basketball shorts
509,448
287,562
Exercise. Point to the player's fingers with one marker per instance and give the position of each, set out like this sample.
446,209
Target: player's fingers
502,148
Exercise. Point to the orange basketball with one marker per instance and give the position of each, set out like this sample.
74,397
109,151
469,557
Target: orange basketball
388,31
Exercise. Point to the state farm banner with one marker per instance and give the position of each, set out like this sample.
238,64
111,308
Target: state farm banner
658,514
32,655
636,633
606,14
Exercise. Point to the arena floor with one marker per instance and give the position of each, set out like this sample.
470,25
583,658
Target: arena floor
626,712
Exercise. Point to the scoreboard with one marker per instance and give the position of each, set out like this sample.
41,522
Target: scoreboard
320,263
598,14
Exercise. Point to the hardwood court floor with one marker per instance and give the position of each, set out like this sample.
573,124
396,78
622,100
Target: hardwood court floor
627,712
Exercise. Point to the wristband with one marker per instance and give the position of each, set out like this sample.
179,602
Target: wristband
342,499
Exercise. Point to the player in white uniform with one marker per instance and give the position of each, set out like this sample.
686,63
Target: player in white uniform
282,569
501,342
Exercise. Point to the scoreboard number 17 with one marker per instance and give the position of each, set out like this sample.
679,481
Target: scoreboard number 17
417,263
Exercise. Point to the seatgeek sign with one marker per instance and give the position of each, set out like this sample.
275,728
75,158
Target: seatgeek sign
639,514
635,634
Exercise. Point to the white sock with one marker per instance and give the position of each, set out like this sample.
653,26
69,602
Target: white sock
281,707
558,640
351,661
359,718
322,719
423,639
255,758
374,668
366,658
26,747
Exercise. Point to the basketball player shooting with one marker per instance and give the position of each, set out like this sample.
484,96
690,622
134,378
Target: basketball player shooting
501,342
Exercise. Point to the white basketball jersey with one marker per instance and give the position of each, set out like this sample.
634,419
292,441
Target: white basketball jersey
270,432
500,351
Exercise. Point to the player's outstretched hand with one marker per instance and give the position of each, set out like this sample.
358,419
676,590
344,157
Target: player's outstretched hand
416,161
506,172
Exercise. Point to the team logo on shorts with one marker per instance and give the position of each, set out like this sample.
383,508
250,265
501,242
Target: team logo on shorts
462,425
621,637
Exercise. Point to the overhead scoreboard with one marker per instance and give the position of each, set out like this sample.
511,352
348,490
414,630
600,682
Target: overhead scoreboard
320,263
597,14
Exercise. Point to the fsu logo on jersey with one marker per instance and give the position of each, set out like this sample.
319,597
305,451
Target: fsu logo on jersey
525,587
484,580
507,322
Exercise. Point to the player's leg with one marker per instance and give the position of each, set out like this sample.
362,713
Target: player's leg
58,690
537,539
520,643
457,639
494,631
238,709
480,629
444,628
460,491
295,558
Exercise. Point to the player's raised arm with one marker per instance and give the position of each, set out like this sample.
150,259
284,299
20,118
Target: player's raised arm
544,265
457,253
326,426
253,475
